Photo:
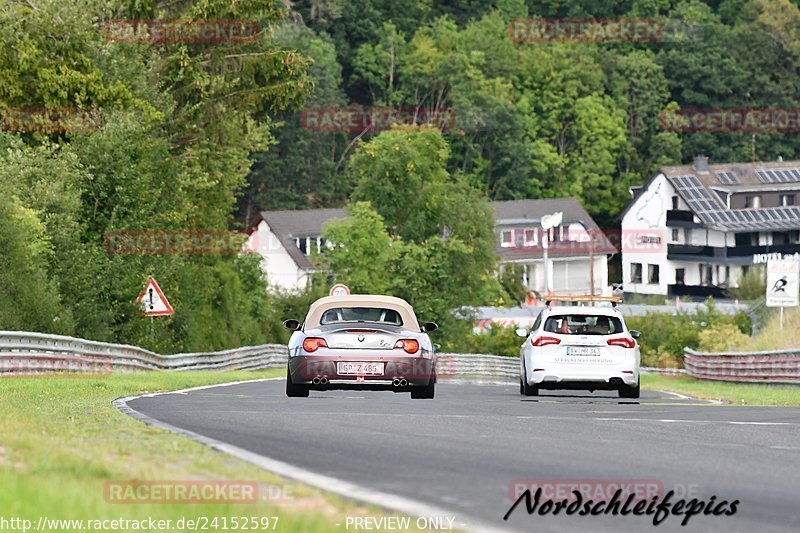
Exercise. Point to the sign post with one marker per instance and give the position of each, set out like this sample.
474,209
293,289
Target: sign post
548,222
783,284
153,303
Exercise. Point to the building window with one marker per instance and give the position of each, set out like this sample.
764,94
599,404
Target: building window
302,243
680,276
706,275
752,202
674,202
652,274
786,200
675,234
781,237
507,238
636,272
530,237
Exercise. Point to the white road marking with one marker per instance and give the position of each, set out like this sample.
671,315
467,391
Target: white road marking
320,481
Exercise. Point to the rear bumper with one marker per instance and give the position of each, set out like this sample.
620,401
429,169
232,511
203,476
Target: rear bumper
417,371
576,376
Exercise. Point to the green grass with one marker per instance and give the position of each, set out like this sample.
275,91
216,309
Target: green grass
734,393
61,440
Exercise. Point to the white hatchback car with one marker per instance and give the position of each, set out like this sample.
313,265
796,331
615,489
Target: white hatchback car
579,347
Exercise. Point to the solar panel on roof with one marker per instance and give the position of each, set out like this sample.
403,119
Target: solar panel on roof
778,175
727,178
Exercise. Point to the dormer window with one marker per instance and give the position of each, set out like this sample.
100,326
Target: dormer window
752,202
507,238
530,237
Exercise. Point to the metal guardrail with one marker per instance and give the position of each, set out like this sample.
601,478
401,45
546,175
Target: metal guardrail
23,353
778,366
37,353
450,365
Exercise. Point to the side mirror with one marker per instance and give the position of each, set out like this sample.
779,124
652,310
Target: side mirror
428,327
521,332
636,334
291,324
437,346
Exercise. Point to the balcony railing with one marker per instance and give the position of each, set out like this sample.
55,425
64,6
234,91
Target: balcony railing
721,252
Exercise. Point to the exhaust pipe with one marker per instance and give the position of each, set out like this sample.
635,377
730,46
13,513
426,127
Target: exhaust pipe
323,381
396,382
316,380
403,382
616,381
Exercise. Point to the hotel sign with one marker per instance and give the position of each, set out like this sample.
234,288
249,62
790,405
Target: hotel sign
762,259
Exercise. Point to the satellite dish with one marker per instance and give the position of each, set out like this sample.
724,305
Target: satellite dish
551,221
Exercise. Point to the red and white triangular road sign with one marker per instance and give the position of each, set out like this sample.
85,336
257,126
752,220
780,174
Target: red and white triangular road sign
153,301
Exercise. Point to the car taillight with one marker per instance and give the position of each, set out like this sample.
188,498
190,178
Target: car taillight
544,340
409,345
625,342
312,343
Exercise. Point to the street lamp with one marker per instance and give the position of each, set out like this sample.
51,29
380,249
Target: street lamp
548,222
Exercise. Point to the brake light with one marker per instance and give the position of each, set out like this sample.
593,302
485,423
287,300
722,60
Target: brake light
625,342
409,345
310,344
544,340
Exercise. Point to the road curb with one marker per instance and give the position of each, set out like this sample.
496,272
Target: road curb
351,491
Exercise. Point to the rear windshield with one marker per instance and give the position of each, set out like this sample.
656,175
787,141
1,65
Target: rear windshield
361,314
583,325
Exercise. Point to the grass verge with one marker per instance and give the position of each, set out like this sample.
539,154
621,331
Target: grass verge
61,441
735,393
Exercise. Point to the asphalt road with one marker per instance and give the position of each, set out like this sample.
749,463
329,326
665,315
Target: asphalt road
465,451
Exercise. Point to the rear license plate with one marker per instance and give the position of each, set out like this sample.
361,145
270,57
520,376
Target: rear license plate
359,368
582,350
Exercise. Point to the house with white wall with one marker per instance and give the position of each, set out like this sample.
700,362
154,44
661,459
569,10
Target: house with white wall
704,225
578,251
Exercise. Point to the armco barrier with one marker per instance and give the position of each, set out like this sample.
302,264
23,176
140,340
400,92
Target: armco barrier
779,366
38,353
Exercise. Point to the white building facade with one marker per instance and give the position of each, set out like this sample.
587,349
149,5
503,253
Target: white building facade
577,256
694,230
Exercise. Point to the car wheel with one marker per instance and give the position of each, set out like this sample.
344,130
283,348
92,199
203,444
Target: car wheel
524,388
629,392
292,390
424,393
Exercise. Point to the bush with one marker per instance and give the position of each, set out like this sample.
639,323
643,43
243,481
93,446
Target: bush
497,340
722,338
752,285
665,336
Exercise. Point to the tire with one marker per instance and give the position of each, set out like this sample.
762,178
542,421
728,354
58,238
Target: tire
424,393
524,388
629,392
292,390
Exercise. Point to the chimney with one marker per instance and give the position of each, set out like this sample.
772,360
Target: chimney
700,163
